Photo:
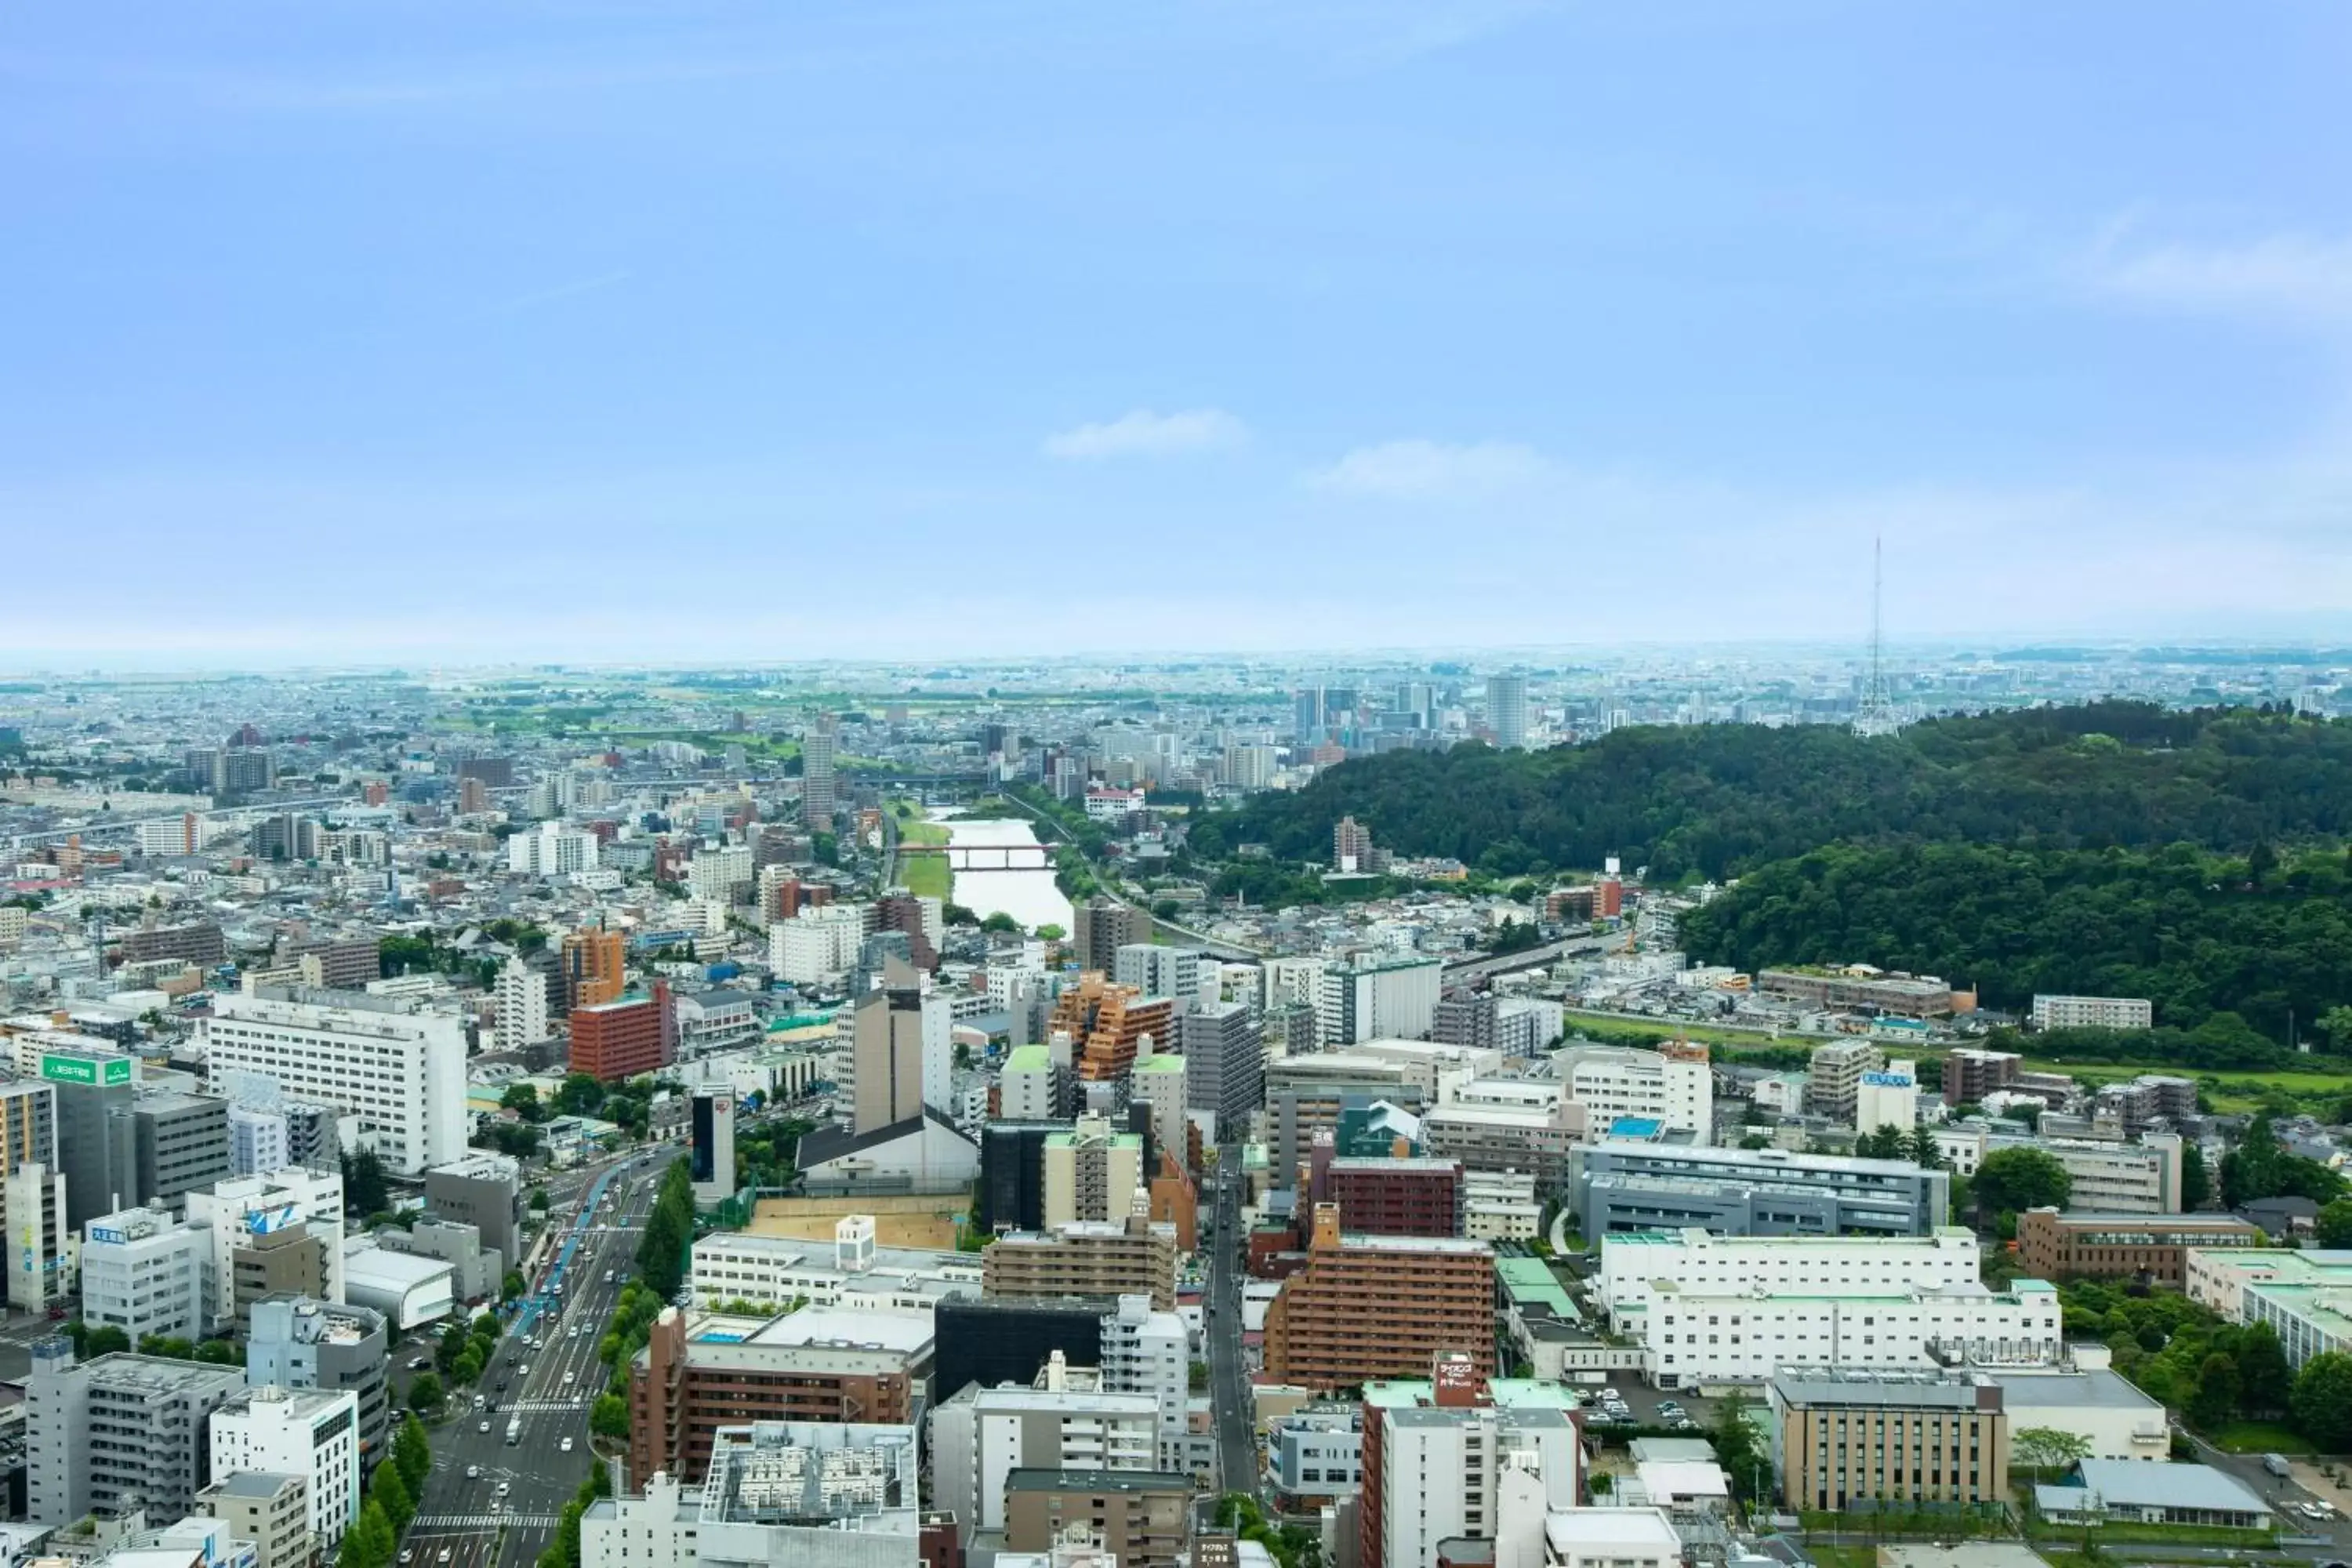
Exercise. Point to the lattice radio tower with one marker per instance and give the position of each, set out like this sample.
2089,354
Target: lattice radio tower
1875,716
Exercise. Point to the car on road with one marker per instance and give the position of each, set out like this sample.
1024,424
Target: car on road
566,1445
473,1472
444,1557
503,1487
486,1426
408,1554
523,1371
418,1363
567,1380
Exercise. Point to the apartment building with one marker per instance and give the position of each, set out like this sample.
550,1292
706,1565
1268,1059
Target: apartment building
396,1068
1129,1258
2092,1012
1858,988
1624,1185
1364,1308
818,1365
276,1235
1093,1173
1834,1078
1107,1024
271,1510
614,1041
99,1432
2151,1248
1143,1518
1443,1460
1103,927
979,1436
1639,1270
484,1191
2107,1176
1538,1133
1887,1439
1372,997
1392,1196
1673,1086
1969,1074
1225,1063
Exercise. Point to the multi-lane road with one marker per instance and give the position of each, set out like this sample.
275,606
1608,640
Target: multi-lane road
545,1377
1237,1469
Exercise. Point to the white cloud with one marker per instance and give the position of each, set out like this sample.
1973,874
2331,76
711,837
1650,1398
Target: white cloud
2290,275
1433,470
1147,434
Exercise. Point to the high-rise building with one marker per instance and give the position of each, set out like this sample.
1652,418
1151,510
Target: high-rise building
1457,1468
1011,1195
1393,1196
1306,727
1142,1518
1351,846
94,1091
143,1272
980,1436
1377,998
396,1067
1002,1340
710,1143
594,967
810,1365
1104,926
121,1426
273,1235
619,1040
300,1342
1136,1257
1673,1086
779,1492
39,1261
819,796
1224,1064
484,1191
1107,1023
551,849
1092,1172
1970,1075
258,1141
901,1043
178,1141
522,1006
1370,1307
1507,711
1833,1080
1156,969
309,1433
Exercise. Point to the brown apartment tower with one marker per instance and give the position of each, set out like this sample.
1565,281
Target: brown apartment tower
1107,1023
594,968
1365,1308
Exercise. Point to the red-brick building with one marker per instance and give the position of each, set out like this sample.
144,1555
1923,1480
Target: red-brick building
618,1040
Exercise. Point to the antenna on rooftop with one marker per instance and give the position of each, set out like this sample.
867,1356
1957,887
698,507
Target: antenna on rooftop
1876,715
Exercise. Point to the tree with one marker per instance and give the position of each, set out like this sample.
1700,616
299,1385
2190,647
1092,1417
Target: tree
670,1231
2321,1402
1886,1143
370,1541
523,1101
451,1345
389,1492
580,1094
1001,924
1737,1451
609,1417
2336,1223
106,1340
1049,931
425,1395
467,1368
2195,1182
2216,1399
2264,1383
366,1190
540,1201
2009,1181
219,1353
512,1286
1925,1152
2048,1448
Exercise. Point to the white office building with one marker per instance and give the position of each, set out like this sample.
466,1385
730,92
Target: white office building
853,1273
243,1207
818,945
522,1006
1178,973
396,1067
1144,1352
1029,1089
1888,1097
718,870
143,1272
1639,1268
1377,997
1691,1340
551,849
1674,1087
309,1433
778,1494
258,1141
1459,1471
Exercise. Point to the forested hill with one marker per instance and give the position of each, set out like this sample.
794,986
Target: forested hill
1720,799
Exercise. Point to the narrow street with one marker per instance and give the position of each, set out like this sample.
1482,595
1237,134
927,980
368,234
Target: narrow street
1228,1361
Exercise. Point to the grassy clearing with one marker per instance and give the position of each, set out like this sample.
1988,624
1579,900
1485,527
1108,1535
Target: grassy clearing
2260,1437
926,875
1843,1556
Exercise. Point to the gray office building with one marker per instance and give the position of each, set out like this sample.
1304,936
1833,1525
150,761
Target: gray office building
484,1191
100,1434
300,1342
178,1142
1224,1064
1629,1186
95,1142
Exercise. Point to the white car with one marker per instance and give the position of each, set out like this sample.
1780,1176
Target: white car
504,1486
567,1445
486,1426
567,1380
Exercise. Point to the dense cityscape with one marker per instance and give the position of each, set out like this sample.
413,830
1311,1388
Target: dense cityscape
1212,1112
1034,783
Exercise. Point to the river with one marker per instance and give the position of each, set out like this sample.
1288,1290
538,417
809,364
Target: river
1030,896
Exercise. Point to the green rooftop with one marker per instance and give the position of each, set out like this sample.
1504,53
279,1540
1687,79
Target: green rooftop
1161,1064
1029,1058
1531,1279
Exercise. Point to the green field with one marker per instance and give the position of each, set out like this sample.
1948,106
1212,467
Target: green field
926,875
2260,1437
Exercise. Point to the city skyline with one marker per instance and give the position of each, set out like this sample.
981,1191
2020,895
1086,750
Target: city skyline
627,332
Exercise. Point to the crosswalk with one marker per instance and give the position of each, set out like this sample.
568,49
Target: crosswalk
482,1521
537,1407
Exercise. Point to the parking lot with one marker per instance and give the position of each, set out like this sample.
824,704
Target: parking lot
1642,1403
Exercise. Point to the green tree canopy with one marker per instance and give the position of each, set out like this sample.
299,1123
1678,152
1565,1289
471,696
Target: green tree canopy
2321,1401
2009,1181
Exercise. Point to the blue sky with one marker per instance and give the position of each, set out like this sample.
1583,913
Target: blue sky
689,328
